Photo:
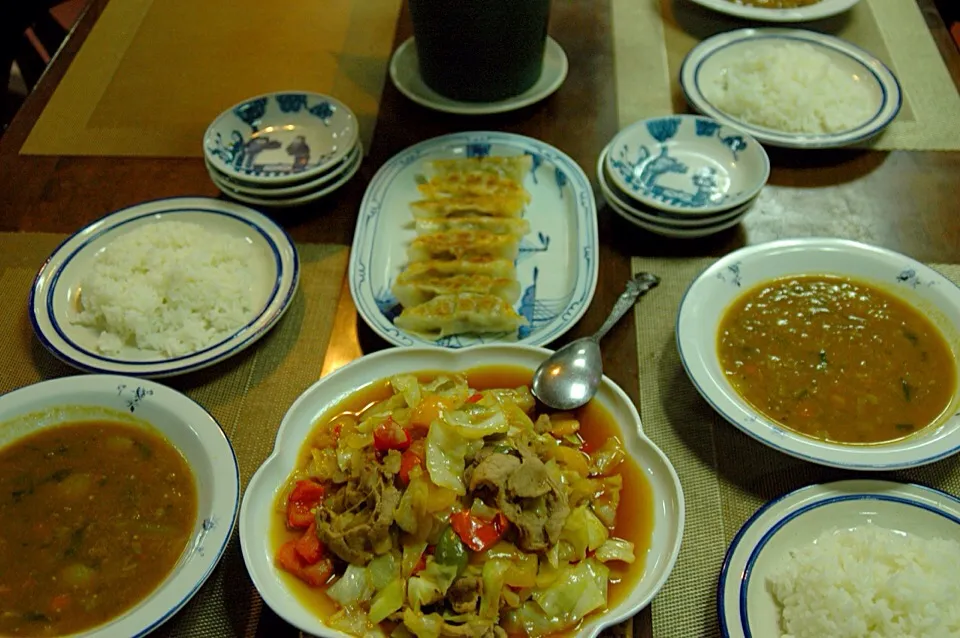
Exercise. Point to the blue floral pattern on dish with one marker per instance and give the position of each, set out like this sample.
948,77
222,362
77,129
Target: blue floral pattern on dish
644,170
132,397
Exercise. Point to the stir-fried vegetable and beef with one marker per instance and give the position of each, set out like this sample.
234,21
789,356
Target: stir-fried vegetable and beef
446,511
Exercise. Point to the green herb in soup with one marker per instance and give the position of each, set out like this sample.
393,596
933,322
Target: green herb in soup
94,516
837,359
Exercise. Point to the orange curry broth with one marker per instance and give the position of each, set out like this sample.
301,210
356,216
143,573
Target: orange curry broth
634,516
837,359
94,516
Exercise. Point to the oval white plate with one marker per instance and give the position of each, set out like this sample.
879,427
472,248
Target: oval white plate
405,74
818,11
687,164
52,298
258,501
747,609
710,294
709,59
557,266
185,424
281,138
669,221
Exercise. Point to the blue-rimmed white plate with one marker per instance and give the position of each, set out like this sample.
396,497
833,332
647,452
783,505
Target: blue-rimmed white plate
746,607
189,428
720,285
53,303
557,264
709,61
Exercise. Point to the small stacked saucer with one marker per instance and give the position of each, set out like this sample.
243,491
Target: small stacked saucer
283,149
682,175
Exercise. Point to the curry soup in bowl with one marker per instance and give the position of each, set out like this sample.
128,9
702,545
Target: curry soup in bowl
833,351
115,504
426,489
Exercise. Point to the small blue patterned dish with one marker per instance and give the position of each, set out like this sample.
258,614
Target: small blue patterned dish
687,164
281,138
189,428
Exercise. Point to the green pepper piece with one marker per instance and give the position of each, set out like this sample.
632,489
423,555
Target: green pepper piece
451,550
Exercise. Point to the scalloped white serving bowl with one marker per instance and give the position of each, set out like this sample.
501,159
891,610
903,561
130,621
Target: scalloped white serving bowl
189,428
710,294
257,509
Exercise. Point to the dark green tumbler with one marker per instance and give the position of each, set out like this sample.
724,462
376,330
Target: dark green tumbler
480,50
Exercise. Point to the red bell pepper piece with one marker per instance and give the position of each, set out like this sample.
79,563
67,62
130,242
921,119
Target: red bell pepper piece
304,497
409,460
474,398
309,546
476,533
390,436
290,560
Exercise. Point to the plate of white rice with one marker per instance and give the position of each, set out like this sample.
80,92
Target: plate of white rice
791,87
851,559
164,287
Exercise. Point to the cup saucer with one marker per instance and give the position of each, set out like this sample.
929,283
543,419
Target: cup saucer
405,74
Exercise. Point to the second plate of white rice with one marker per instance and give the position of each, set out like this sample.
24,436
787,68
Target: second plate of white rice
845,560
164,287
791,87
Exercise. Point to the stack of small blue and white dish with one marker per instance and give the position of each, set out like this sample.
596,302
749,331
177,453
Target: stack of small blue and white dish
283,149
682,175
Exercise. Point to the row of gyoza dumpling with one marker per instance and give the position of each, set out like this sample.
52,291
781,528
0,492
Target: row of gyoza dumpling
461,276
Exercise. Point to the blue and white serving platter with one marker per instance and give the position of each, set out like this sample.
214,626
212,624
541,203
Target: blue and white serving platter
557,265
687,164
53,298
745,606
714,290
710,60
196,434
281,138
816,11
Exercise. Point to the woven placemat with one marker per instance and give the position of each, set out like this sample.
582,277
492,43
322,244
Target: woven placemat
247,394
651,38
726,475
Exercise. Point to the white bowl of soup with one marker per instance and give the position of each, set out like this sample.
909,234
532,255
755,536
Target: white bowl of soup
117,496
425,488
833,351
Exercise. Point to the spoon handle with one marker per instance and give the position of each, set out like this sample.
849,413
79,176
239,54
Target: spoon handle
637,285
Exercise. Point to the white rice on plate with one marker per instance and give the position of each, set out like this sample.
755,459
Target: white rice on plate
792,88
170,287
869,582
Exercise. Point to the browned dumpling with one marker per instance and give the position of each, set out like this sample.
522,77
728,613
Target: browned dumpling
492,205
495,225
513,167
472,184
414,293
480,266
459,313
463,244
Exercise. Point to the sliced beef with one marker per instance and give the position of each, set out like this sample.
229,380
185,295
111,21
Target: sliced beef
353,521
464,595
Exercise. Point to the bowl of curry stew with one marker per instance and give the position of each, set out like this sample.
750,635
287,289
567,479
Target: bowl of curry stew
117,497
422,491
832,351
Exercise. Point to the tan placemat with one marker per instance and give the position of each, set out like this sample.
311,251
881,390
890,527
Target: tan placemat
152,75
651,38
725,474
247,394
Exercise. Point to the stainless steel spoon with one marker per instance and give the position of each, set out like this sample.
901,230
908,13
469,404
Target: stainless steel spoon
571,376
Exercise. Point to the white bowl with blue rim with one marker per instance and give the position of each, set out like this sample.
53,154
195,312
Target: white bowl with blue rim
674,232
52,306
196,434
709,61
663,219
746,607
557,264
817,11
687,164
318,401
281,138
721,284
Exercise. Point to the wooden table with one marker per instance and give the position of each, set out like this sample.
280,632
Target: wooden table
906,201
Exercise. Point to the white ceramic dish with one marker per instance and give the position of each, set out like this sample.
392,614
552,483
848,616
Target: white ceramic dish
185,424
818,11
342,176
281,138
722,283
53,297
557,266
747,609
405,74
687,163
284,192
710,59
670,221
318,400
678,233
